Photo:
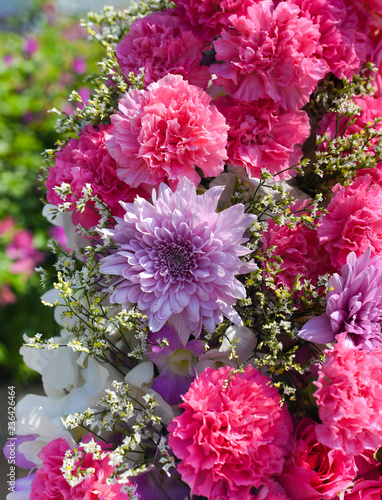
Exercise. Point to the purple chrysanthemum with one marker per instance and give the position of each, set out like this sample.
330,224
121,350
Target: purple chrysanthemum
178,259
353,305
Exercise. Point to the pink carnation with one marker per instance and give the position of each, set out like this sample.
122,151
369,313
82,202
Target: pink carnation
270,52
299,248
50,484
262,135
210,16
314,470
353,222
343,44
6,295
232,435
22,251
161,134
349,398
162,43
86,160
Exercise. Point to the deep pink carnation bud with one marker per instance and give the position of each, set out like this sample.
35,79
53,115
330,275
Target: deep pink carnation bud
161,134
177,259
232,435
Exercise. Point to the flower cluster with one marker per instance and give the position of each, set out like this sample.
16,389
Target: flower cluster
220,304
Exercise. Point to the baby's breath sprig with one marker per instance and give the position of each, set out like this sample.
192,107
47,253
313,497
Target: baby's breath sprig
137,423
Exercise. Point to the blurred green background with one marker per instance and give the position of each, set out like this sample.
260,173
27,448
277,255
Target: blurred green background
44,54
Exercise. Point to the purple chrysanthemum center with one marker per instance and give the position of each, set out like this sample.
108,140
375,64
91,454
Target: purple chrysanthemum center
174,260
177,259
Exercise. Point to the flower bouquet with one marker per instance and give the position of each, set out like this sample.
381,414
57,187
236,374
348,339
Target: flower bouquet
220,289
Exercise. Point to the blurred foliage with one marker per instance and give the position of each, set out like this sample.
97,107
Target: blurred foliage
43,57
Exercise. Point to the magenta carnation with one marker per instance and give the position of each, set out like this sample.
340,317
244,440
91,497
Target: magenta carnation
161,134
162,43
210,16
353,305
343,44
269,52
299,249
314,470
349,398
178,259
353,222
49,482
86,160
262,135
232,435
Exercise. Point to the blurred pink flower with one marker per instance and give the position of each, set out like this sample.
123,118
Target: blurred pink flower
162,134
269,52
79,65
7,225
232,435
6,295
23,252
31,46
